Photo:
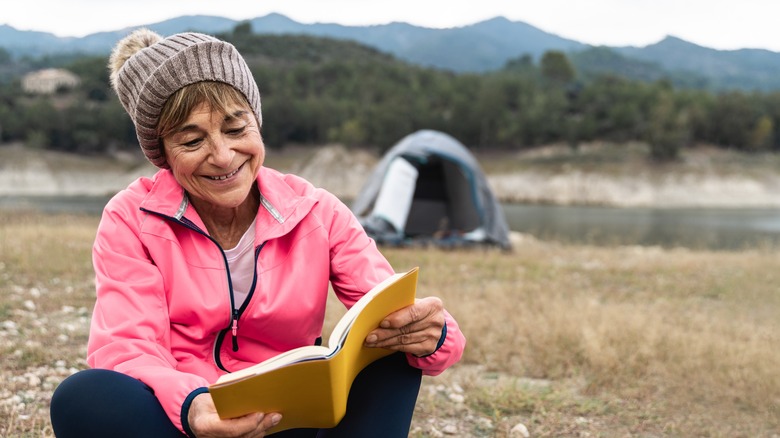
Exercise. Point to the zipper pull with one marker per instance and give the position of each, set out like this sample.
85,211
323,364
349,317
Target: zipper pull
235,331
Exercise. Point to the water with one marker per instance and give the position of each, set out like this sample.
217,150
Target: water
55,204
710,228
707,228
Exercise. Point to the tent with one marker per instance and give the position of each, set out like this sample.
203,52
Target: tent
429,188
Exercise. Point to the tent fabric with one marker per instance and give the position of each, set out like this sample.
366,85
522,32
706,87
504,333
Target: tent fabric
437,184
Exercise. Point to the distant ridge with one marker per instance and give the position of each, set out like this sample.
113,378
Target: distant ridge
480,47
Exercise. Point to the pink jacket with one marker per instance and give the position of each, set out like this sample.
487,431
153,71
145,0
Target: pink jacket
164,311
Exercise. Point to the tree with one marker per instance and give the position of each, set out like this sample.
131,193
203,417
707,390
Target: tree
668,130
5,56
761,138
556,68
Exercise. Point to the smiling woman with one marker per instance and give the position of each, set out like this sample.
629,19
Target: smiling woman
215,159
216,263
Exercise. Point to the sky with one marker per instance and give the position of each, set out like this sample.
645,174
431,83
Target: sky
718,24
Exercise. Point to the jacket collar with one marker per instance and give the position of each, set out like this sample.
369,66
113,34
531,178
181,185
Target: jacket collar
283,203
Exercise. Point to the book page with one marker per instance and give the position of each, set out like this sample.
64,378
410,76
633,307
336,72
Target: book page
300,354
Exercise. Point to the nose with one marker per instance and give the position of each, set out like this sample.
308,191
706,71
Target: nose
221,152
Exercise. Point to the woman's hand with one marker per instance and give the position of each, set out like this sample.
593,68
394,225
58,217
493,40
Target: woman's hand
415,329
205,422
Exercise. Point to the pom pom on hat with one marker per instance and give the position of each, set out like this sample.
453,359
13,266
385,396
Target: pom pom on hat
147,69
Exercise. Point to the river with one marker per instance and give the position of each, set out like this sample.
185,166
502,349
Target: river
705,228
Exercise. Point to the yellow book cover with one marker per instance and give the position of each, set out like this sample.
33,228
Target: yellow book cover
309,385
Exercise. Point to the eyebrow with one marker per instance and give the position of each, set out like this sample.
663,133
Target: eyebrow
240,114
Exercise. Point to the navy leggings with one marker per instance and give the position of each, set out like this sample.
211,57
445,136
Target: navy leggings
103,403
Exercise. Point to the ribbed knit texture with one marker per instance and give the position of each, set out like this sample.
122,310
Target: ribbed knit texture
153,74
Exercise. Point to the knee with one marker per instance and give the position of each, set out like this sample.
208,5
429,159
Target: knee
73,388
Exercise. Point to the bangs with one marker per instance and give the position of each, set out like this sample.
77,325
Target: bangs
218,96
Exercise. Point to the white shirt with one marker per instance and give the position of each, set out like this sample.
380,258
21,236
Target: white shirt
241,262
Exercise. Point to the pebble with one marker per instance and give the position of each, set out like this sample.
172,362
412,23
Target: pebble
485,423
450,429
33,380
519,430
456,398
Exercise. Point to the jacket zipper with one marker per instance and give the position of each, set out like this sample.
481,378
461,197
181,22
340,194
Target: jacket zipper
235,314
234,328
240,311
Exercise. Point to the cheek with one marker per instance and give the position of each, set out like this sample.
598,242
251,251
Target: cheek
181,163
259,150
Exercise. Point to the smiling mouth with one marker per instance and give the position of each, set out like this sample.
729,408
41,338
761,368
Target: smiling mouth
224,177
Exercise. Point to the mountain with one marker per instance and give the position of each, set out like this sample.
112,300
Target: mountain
480,47
725,68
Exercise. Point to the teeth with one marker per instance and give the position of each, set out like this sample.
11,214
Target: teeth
223,177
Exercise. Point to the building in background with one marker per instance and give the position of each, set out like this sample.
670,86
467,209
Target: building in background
48,81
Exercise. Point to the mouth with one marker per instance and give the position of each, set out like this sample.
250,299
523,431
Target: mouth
226,176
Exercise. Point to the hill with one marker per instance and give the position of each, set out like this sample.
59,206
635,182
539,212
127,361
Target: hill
480,47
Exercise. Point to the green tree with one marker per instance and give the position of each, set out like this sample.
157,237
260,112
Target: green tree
668,130
556,68
761,137
5,57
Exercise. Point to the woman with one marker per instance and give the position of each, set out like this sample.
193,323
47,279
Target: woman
217,263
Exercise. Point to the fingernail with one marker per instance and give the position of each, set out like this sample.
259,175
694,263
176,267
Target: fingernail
275,419
384,324
371,339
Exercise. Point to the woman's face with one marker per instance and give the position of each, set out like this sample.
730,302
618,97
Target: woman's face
216,157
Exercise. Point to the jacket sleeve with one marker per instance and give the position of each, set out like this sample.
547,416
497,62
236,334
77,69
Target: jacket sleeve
357,265
130,328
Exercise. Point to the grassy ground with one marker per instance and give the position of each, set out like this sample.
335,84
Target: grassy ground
565,340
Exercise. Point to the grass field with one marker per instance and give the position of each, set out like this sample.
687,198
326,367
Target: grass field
565,340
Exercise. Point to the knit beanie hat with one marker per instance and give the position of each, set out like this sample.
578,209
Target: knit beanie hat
147,69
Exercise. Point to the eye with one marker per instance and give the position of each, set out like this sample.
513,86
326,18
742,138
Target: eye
192,143
236,131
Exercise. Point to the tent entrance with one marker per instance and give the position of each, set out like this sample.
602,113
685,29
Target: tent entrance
442,204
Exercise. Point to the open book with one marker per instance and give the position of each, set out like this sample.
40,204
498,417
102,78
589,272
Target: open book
309,385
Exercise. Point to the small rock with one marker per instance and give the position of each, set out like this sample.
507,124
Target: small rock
485,423
456,398
520,430
450,429
33,380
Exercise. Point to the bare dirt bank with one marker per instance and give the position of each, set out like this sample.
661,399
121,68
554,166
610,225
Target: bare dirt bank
592,175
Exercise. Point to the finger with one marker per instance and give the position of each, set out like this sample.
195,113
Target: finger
270,421
421,309
425,338
430,324
406,345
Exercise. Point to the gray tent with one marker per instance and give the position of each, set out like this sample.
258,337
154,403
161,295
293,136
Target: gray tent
429,188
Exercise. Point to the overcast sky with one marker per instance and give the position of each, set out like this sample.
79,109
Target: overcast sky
719,24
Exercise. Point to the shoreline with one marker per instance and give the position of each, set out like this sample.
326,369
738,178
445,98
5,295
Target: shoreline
37,173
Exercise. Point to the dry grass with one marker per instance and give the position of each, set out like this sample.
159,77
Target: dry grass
567,340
